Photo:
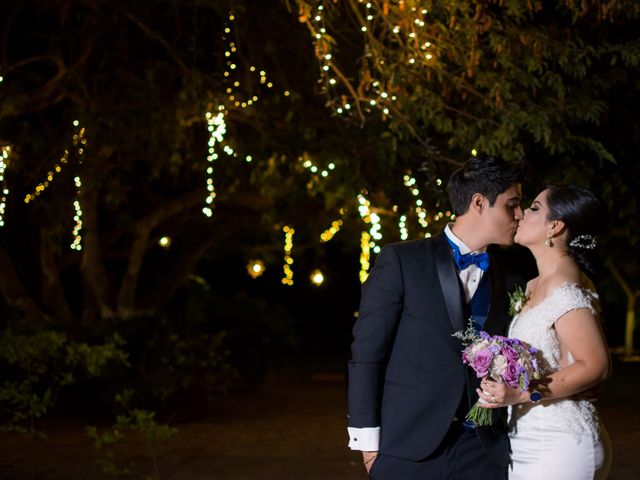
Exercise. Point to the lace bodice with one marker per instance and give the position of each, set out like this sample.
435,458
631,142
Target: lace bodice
536,327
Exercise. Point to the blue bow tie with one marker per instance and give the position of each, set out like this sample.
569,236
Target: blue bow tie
481,260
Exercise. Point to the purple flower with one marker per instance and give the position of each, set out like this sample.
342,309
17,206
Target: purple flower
482,362
510,353
511,374
465,356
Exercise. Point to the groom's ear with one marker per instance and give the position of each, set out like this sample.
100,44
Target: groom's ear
478,203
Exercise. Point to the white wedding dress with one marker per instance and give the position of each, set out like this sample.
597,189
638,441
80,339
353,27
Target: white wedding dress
559,439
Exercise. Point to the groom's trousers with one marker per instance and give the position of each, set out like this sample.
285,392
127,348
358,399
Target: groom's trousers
460,456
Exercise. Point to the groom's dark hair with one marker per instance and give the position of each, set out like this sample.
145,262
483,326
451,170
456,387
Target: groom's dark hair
483,174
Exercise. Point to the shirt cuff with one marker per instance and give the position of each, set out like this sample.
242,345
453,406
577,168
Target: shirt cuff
365,439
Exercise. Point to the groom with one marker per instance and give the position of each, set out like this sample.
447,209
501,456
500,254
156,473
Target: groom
408,388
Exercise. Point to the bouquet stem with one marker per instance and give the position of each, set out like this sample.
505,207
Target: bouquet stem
480,417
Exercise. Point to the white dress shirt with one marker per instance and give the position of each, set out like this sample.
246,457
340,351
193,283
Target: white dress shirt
471,275
368,439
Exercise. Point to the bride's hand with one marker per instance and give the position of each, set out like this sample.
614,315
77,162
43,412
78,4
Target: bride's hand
497,395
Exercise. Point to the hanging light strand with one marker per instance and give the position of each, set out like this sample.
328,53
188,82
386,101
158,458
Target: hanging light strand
365,255
402,226
217,129
410,183
368,239
330,232
77,228
4,158
288,259
234,96
79,143
372,218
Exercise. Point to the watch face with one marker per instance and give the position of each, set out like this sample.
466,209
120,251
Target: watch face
535,396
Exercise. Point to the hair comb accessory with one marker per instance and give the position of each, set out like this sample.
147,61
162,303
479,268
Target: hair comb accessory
586,241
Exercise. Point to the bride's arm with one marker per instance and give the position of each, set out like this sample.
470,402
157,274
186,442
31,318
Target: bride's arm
579,333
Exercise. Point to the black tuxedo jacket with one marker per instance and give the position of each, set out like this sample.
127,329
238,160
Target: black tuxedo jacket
406,374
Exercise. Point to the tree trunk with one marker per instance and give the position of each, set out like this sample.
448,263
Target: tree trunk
632,297
93,271
53,294
630,325
16,296
127,292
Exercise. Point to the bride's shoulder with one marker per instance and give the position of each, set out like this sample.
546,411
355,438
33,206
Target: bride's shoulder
574,292
562,281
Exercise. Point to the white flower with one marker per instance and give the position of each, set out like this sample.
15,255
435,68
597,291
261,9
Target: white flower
498,367
479,346
517,299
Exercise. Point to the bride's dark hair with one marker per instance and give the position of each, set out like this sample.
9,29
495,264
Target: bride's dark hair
584,216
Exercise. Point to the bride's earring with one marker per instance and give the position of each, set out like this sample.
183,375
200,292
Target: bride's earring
548,241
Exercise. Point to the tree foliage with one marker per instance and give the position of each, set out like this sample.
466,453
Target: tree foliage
553,84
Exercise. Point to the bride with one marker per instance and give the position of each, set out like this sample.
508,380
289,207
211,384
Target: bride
555,433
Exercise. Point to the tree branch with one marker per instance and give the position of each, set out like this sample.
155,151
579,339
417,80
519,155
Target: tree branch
142,231
158,38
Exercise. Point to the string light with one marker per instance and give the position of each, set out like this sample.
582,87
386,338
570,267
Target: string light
402,225
288,259
4,157
235,96
368,239
317,278
45,183
216,121
330,232
77,228
313,168
410,183
365,254
390,32
373,218
255,268
217,128
165,242
79,142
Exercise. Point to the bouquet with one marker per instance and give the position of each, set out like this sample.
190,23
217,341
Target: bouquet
505,360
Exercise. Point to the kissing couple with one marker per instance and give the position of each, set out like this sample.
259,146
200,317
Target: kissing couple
409,390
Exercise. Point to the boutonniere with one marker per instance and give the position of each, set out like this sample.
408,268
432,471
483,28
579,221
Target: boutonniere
517,300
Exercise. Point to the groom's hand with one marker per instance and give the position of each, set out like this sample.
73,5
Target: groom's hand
368,458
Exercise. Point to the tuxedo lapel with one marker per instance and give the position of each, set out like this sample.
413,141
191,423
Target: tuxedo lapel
441,252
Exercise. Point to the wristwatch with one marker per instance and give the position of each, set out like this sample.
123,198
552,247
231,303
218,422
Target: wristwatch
535,396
